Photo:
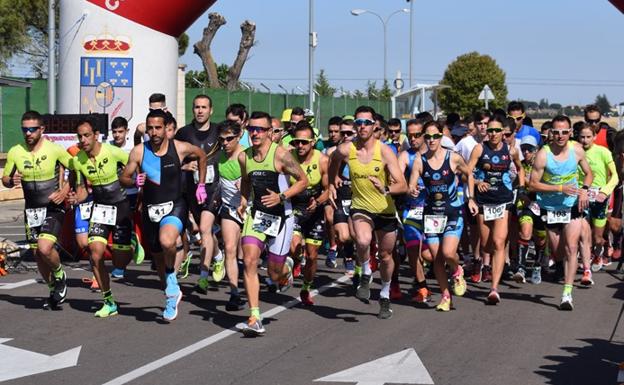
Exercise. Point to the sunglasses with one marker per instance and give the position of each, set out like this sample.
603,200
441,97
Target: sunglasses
492,130
592,121
278,130
347,133
560,132
226,139
398,131
302,142
527,148
256,129
517,118
30,129
433,137
377,129
508,134
363,122
415,135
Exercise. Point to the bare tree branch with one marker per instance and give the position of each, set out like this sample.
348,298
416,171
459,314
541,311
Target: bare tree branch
202,47
248,29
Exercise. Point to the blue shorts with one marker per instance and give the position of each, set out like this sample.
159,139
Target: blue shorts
412,230
454,228
81,226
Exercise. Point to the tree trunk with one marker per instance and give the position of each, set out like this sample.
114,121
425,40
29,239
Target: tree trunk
202,48
248,29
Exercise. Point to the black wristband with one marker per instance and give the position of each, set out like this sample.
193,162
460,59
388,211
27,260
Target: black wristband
585,187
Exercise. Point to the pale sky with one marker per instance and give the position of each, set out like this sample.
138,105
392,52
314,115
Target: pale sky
567,51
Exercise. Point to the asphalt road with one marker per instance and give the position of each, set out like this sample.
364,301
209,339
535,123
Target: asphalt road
523,340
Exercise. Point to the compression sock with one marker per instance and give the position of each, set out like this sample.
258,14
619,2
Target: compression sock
108,297
58,272
255,312
567,289
306,285
366,268
357,270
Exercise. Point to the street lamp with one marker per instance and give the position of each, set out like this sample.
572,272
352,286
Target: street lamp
384,23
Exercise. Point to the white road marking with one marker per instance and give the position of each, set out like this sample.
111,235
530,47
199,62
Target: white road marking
21,363
166,360
15,285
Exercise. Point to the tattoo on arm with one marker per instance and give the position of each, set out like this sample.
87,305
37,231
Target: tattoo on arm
290,166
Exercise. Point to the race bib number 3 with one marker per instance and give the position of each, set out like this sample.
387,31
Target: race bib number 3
35,217
85,210
559,216
104,214
266,223
491,212
435,224
158,211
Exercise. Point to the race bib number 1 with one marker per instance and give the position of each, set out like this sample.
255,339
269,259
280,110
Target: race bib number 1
158,211
35,217
104,214
435,224
266,223
491,213
559,216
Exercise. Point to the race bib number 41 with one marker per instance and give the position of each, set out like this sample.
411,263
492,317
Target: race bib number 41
435,224
492,213
266,223
35,217
158,211
559,216
104,214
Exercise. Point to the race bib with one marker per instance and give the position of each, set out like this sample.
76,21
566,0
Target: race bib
85,210
210,174
346,206
435,224
492,212
35,217
156,212
534,207
415,213
266,223
104,214
592,194
559,216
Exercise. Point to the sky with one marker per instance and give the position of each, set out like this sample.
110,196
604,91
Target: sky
567,51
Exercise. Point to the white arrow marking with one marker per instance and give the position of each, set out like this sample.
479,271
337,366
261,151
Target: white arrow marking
15,285
21,363
403,367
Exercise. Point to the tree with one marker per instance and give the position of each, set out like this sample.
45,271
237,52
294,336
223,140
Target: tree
555,106
202,49
322,85
543,104
183,42
385,93
603,103
199,79
466,77
372,92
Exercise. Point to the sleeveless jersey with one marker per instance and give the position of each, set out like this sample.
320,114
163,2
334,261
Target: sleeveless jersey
493,167
229,176
365,196
558,173
164,177
312,170
209,142
39,170
263,176
102,173
441,185
420,199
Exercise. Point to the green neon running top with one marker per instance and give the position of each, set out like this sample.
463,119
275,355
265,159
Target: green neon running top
39,170
102,173
600,160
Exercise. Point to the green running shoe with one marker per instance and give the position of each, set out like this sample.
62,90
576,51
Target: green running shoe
139,253
184,266
202,285
107,310
218,270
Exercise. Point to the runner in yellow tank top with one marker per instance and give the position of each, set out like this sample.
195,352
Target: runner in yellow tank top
371,166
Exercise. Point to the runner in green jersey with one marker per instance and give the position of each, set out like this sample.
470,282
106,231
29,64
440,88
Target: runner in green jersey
37,165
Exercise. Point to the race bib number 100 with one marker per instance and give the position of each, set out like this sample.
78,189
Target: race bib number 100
435,224
492,213
266,223
35,217
559,216
104,214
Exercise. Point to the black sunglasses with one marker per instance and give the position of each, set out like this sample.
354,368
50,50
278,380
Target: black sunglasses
30,129
225,139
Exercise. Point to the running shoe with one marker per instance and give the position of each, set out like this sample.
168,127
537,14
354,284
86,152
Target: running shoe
536,275
218,270
587,280
486,275
60,289
93,284
349,266
519,276
235,303
184,266
118,273
422,295
50,303
108,309
297,270
139,254
287,282
385,310
202,285
330,261
305,298
363,290
252,328
493,298
606,261
445,304
459,282
355,280
395,291
475,277
173,298
566,302
596,264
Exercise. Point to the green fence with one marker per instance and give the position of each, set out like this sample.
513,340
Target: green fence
14,101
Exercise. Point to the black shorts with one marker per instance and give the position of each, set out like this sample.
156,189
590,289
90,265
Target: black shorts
177,217
229,213
574,214
50,228
343,205
385,223
122,230
617,202
508,206
211,204
311,226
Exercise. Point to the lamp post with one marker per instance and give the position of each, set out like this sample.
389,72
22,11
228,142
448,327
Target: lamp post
285,93
384,23
269,91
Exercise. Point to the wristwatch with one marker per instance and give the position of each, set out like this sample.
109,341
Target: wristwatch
585,187
386,190
282,197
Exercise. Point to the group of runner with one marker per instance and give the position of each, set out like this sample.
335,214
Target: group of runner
479,197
